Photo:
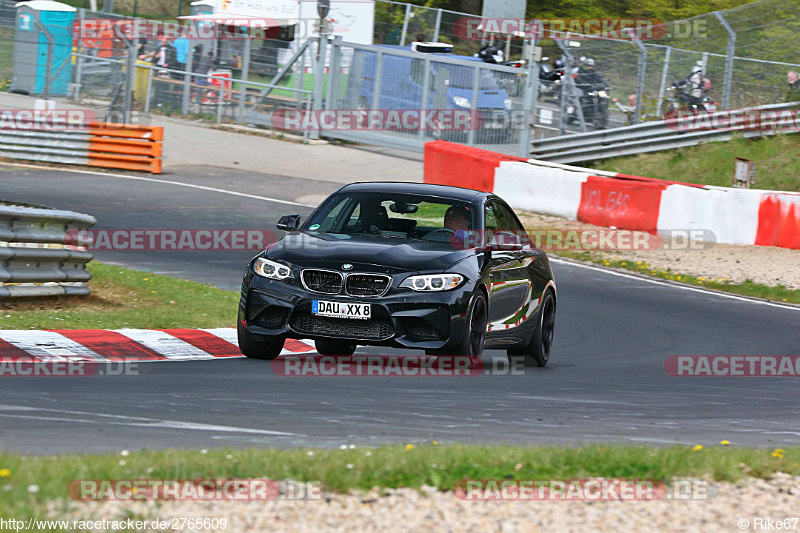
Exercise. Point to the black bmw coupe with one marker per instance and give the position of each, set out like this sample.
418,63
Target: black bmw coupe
418,266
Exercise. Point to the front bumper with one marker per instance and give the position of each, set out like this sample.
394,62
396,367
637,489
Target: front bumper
401,318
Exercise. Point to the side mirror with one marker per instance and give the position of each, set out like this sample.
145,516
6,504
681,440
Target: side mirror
505,240
289,222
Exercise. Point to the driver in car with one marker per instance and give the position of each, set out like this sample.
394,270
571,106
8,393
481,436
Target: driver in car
456,219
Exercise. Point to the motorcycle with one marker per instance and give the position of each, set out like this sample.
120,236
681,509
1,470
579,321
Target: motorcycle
549,77
594,101
550,80
680,99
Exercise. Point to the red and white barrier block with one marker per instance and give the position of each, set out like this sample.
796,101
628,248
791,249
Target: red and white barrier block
736,216
129,345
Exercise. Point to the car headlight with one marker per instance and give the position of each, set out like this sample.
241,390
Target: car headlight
271,269
432,282
603,94
460,101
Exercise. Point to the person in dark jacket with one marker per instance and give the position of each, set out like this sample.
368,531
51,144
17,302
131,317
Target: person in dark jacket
165,56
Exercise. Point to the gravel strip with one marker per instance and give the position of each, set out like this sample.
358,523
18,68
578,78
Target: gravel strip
733,262
431,510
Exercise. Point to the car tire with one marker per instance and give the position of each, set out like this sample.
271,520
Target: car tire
537,353
335,347
263,347
472,342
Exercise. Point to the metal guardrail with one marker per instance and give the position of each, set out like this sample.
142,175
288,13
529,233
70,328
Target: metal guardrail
34,261
94,144
640,138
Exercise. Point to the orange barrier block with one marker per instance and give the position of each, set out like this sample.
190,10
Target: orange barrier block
127,162
126,146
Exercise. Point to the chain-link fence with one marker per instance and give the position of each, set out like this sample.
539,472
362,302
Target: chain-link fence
427,94
7,28
744,55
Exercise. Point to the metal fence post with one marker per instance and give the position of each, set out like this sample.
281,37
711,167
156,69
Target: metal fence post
221,100
476,82
640,77
334,73
530,98
664,75
731,48
49,65
149,89
129,82
319,77
426,95
438,27
244,75
187,80
405,25
376,86
78,73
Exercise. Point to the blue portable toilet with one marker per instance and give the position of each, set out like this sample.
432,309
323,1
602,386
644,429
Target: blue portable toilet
36,21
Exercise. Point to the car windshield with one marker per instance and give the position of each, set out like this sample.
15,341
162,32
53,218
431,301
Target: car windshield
393,216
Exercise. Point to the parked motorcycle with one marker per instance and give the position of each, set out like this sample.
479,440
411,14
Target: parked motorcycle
550,79
594,101
680,99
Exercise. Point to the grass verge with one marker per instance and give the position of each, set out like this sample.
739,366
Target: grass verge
125,298
776,158
28,483
778,293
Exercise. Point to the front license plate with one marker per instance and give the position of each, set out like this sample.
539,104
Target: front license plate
341,310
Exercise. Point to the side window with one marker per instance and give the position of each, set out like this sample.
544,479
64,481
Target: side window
513,225
494,221
418,71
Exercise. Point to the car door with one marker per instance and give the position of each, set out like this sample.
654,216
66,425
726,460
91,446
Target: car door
510,287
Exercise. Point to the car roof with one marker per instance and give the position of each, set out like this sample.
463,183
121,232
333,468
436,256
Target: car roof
433,55
443,191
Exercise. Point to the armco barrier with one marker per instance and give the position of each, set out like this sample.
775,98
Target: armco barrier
736,216
649,136
33,259
97,144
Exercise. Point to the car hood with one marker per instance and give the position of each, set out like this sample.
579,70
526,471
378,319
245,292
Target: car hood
377,254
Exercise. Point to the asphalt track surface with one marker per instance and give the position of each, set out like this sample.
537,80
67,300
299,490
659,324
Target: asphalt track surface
605,381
